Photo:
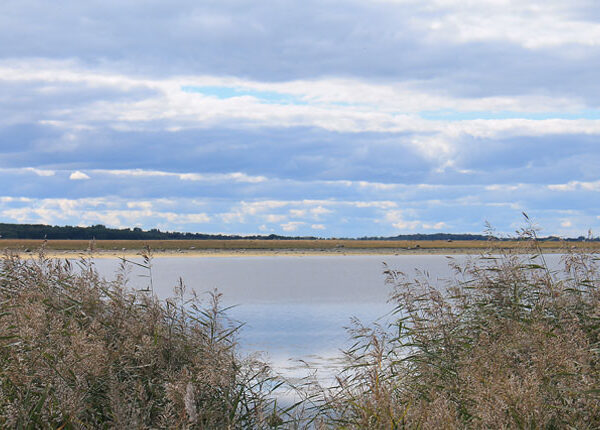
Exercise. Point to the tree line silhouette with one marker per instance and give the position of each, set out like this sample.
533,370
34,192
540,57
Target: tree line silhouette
101,232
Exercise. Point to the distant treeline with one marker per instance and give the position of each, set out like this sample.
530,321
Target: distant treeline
101,232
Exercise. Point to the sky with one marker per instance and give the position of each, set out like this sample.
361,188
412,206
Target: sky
329,118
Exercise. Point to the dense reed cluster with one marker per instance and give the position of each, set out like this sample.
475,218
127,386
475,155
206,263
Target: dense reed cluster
80,352
509,342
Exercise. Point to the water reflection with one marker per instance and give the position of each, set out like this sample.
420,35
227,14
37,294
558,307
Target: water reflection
293,307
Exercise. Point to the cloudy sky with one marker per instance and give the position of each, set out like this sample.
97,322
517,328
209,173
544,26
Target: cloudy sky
313,117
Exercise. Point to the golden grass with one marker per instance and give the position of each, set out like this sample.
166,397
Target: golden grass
78,352
119,245
510,344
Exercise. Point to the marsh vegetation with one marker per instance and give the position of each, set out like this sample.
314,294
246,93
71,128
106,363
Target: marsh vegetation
509,342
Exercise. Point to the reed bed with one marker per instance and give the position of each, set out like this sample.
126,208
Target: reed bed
509,342
77,351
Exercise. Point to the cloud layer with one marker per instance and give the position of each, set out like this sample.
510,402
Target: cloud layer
329,118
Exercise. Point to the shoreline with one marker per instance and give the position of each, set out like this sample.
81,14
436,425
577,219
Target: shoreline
74,249
292,252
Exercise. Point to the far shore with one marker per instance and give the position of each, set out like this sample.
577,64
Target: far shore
229,253
290,248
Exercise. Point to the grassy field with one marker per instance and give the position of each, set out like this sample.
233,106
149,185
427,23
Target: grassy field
119,245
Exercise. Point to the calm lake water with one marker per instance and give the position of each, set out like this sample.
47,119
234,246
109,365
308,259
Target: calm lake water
294,307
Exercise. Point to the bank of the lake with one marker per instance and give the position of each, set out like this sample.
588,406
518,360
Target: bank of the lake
250,248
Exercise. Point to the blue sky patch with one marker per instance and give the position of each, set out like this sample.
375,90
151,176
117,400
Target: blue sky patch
222,92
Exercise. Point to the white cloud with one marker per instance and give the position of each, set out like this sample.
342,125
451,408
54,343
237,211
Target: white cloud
184,112
240,212
298,213
406,225
331,104
504,187
109,211
185,214
38,172
314,210
337,105
233,177
9,199
301,208
145,205
274,218
208,177
376,204
576,185
319,211
435,226
195,218
377,185
533,24
345,95
292,225
397,218
78,176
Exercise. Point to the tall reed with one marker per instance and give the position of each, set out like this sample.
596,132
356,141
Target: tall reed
508,343
77,351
